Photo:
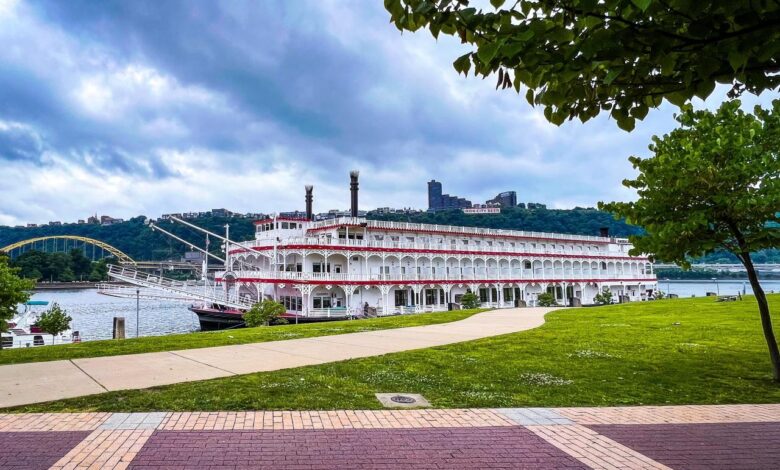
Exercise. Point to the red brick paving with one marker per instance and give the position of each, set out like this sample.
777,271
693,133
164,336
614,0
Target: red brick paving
430,448
36,450
702,446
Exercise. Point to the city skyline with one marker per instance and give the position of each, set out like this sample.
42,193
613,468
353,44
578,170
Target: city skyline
104,108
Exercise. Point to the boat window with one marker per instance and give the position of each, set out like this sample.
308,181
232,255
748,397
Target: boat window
37,340
8,341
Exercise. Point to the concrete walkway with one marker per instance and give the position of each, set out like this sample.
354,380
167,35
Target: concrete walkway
22,384
649,437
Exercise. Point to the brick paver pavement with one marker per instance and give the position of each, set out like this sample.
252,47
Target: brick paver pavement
702,446
430,448
680,437
36,450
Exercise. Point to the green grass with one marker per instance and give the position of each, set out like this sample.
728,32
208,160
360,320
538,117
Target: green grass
686,351
223,338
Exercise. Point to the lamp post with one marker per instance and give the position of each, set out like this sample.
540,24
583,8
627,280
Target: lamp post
717,285
668,287
137,309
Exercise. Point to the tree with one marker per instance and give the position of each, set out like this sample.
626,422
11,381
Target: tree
712,183
263,313
13,291
470,300
604,297
546,299
80,264
577,58
54,321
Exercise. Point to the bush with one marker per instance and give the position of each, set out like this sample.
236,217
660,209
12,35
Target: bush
470,300
264,313
546,300
604,297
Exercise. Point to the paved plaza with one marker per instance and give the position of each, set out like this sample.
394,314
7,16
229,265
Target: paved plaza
679,437
22,384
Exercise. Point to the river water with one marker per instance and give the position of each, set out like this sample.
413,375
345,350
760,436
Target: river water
93,313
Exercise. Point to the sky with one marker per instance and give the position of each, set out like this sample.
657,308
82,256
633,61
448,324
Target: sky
147,107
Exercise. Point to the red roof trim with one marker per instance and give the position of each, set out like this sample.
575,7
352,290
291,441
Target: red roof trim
439,281
414,250
442,232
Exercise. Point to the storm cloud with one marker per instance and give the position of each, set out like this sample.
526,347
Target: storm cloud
145,107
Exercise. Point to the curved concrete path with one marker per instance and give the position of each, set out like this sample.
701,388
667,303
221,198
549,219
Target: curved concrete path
22,384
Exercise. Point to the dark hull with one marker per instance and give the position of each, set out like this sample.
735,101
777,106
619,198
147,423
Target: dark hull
218,319
215,319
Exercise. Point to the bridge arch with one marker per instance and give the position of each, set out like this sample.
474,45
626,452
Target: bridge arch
117,253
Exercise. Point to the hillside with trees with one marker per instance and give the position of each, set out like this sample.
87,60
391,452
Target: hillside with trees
139,242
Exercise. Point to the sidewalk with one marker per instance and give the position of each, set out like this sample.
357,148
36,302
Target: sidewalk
22,384
679,437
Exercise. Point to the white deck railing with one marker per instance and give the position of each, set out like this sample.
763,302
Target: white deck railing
427,275
412,227
188,289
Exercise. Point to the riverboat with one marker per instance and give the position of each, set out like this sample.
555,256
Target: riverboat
353,266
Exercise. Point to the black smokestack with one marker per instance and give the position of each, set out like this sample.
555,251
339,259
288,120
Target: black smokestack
309,199
353,188
604,232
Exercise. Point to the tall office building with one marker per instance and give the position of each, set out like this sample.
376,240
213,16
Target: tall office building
434,195
505,199
438,201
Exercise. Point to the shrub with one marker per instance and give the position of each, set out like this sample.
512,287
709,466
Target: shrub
604,297
470,300
546,300
264,313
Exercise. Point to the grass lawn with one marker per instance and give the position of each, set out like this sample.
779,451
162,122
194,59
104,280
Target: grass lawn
222,338
680,351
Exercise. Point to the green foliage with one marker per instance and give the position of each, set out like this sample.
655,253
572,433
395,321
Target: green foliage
63,267
470,300
579,58
579,220
13,291
54,320
135,238
263,313
604,297
546,299
712,183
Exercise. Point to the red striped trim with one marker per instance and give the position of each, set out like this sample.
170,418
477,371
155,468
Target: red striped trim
440,281
416,250
459,234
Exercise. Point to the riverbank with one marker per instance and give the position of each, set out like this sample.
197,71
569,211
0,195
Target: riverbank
671,351
223,338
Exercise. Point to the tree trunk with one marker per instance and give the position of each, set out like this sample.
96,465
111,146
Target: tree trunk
766,319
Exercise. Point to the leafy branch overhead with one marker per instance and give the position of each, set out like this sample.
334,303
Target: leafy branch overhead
577,58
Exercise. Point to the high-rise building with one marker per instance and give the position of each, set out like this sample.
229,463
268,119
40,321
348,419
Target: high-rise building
434,195
438,201
505,199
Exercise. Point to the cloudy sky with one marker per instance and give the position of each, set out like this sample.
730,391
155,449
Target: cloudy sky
146,107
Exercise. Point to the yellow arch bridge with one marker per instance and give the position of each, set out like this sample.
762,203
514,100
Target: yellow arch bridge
118,254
